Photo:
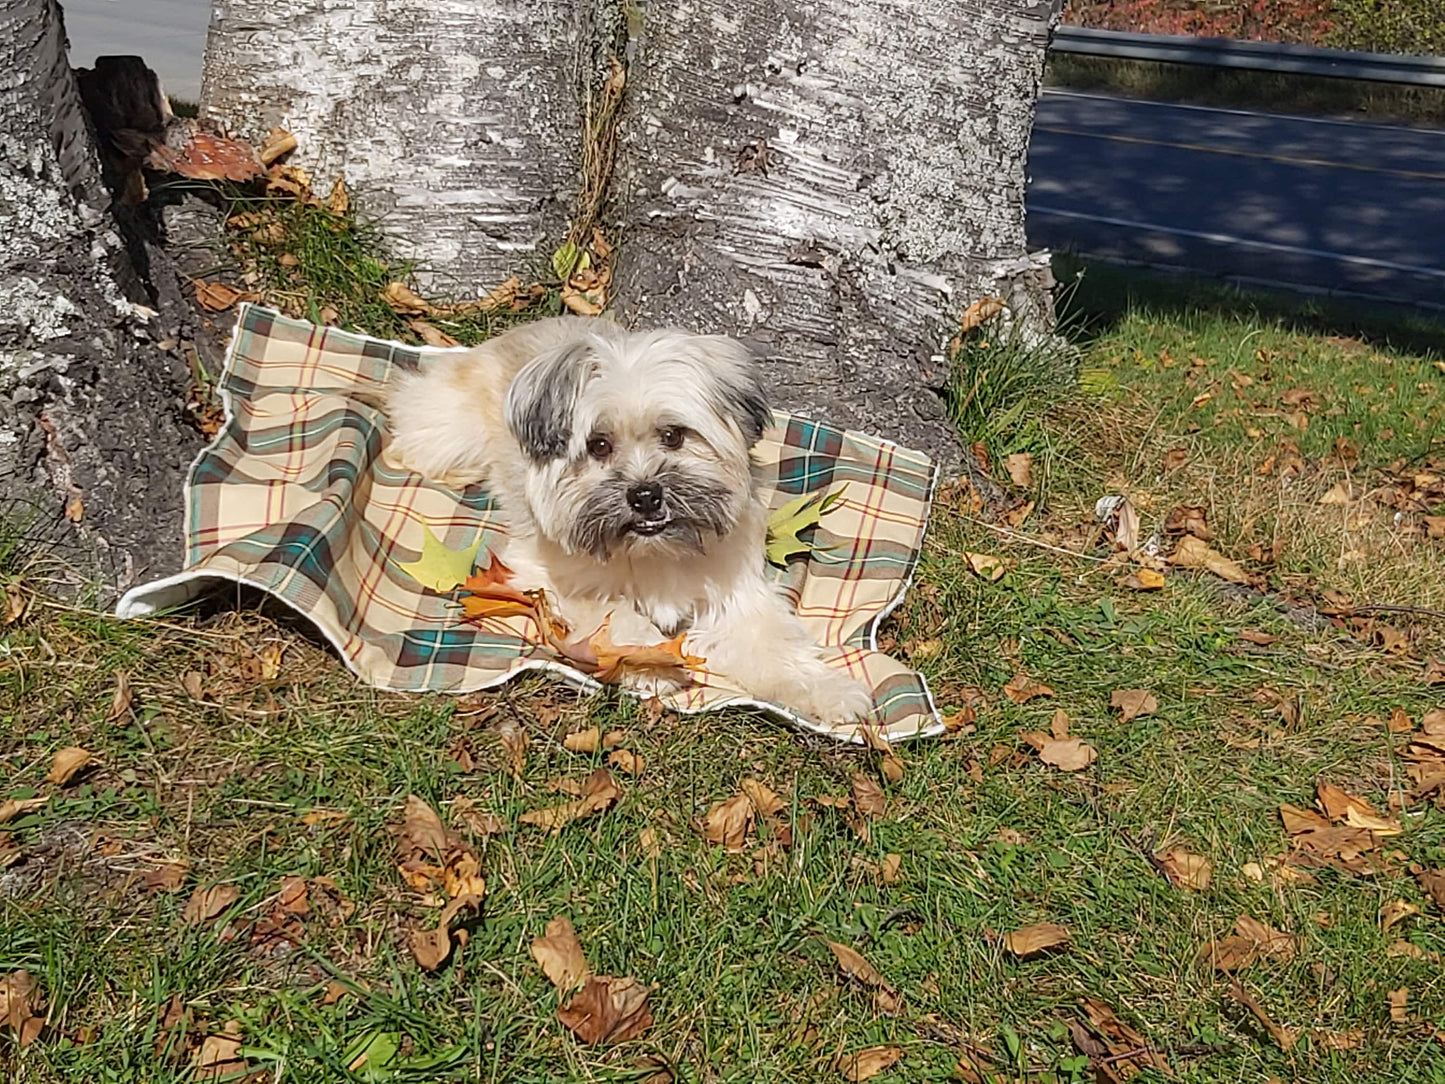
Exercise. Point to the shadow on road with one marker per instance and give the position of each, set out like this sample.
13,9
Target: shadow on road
1094,296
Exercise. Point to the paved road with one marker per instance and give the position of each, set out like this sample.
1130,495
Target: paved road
1326,204
170,34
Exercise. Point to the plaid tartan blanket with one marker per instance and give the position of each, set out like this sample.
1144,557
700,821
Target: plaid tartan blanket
294,498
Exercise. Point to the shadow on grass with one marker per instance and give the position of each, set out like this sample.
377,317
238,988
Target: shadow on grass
1095,297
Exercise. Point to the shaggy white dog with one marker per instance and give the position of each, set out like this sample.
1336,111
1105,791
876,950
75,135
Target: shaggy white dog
622,463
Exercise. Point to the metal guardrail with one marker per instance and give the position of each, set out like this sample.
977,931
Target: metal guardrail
1424,71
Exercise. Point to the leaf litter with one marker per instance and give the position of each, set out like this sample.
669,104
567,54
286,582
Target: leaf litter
606,1009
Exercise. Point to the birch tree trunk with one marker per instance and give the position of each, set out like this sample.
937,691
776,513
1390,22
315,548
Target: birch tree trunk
831,180
456,120
93,447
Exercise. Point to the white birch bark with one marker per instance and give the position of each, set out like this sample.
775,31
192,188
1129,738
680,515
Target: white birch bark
832,180
455,121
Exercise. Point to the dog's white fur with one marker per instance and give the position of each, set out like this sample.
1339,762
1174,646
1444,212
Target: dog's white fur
520,412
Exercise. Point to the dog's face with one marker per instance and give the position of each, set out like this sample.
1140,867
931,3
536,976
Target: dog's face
638,443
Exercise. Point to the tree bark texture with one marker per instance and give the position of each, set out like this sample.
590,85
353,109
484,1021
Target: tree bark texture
93,446
457,121
830,180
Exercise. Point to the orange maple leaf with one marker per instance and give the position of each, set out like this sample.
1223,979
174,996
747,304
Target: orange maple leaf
613,659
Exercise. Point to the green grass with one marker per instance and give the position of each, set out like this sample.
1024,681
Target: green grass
990,839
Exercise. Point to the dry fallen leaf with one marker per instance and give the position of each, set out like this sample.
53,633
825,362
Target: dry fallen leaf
207,904
217,296
11,808
1144,579
1185,870
624,760
431,334
613,660
421,829
1190,552
277,144
120,701
855,966
890,869
1122,1043
1336,803
600,794
514,741
20,1005
403,299
764,800
474,820
1349,1039
167,877
868,796
608,1010
986,567
220,1054
432,947
1021,688
66,763
727,822
1398,1000
1433,883
1133,703
1032,940
1068,754
560,955
868,1063
583,741
1251,940
1271,942
1020,468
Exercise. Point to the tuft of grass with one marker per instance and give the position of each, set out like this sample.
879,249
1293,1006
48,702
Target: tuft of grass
335,268
1002,381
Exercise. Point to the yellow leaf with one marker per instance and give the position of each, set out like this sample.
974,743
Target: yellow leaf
1145,579
438,568
790,520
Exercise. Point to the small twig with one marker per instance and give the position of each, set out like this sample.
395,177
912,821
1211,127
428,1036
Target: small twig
1015,536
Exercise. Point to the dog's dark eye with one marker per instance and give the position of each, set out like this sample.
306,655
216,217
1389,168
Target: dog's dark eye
599,447
671,438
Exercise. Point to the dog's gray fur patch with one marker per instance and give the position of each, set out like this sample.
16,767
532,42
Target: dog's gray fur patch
543,398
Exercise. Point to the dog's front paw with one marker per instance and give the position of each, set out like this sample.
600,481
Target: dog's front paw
647,684
833,698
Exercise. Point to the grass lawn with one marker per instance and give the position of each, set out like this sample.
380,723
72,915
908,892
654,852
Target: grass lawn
242,754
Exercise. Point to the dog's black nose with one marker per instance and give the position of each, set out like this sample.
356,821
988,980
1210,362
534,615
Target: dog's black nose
645,498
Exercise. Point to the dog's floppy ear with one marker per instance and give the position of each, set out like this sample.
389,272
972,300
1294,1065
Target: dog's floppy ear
543,398
737,387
